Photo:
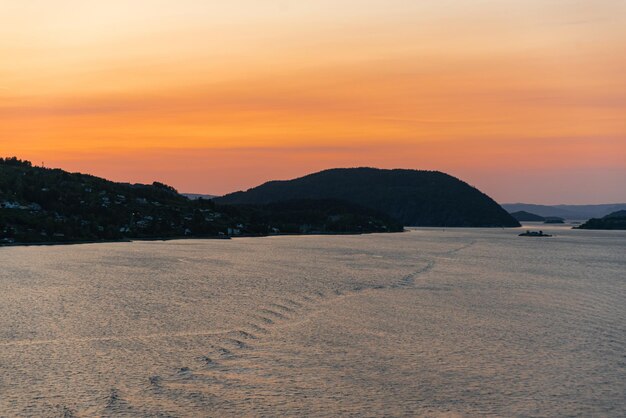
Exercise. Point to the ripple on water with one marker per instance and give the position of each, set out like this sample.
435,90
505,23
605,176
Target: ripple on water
430,322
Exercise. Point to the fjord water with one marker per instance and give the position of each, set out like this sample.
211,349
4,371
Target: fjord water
431,322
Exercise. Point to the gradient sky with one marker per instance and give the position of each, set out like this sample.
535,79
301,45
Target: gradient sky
524,99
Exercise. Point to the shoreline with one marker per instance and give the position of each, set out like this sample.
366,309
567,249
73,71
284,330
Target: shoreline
208,237
225,237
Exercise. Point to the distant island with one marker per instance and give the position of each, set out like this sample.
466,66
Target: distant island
534,234
411,197
571,212
41,205
524,216
615,220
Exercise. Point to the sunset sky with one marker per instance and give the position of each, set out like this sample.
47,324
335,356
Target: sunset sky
525,100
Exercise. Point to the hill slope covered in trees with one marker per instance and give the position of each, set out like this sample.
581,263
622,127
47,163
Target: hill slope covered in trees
414,198
615,220
51,205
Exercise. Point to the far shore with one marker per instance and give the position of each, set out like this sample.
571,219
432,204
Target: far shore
222,237
210,237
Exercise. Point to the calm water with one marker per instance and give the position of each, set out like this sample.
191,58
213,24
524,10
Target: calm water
429,322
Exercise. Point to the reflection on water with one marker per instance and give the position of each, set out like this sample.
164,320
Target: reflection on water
430,322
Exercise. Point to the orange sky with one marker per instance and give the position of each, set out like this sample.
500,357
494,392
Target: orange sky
524,99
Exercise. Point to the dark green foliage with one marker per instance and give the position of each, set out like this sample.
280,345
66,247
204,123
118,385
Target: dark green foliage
52,205
15,162
615,220
411,197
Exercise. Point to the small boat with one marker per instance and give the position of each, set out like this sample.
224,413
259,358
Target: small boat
534,234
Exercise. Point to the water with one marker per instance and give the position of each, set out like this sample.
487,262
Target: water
430,322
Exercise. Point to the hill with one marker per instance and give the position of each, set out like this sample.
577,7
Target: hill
524,216
615,220
618,214
577,212
411,197
51,205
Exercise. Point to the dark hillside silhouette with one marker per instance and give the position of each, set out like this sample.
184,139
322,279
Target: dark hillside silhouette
411,197
615,220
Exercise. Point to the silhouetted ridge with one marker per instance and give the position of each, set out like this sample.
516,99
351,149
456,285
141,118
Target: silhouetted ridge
412,197
615,220
524,216
566,211
617,214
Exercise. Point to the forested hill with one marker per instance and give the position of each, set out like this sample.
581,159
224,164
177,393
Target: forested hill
51,205
615,220
414,198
